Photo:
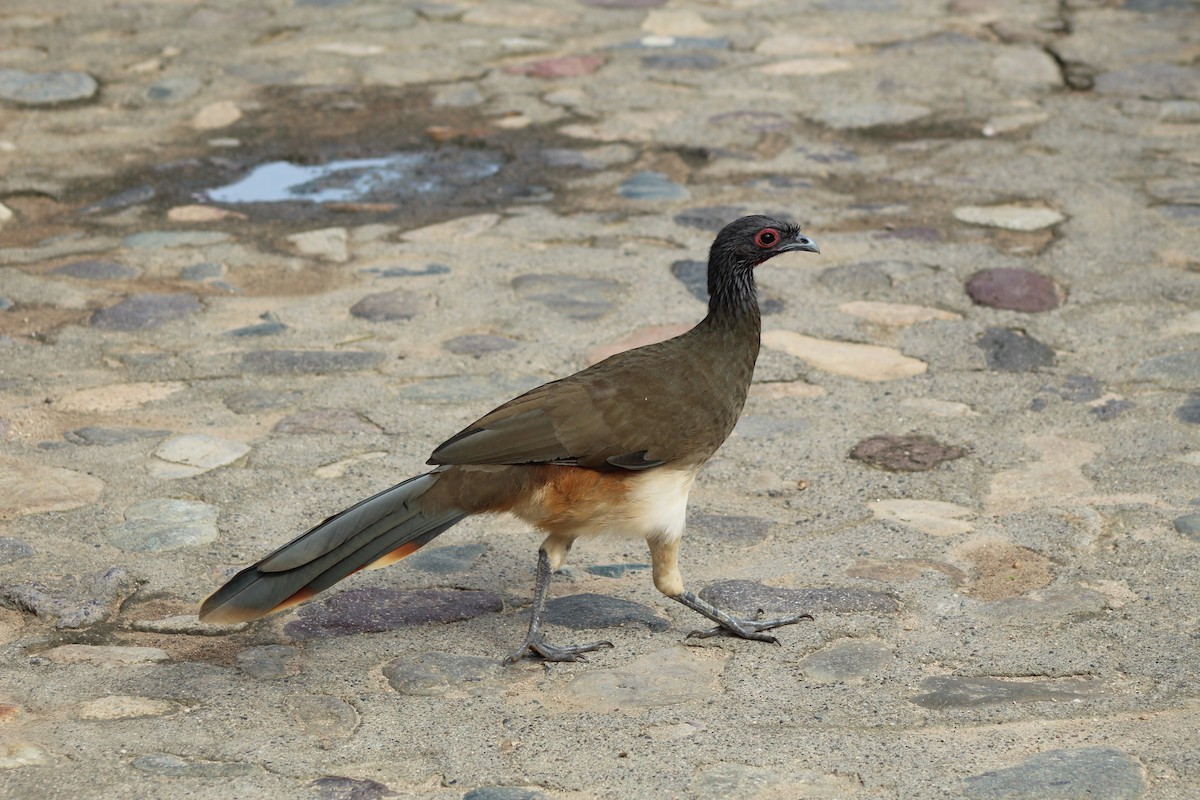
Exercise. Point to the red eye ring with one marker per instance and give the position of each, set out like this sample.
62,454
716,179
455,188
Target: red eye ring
766,238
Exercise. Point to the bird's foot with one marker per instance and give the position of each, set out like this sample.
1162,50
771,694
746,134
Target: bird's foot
536,645
749,628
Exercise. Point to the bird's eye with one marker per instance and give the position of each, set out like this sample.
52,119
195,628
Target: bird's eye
767,237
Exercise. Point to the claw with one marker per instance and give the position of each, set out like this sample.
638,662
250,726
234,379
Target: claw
538,646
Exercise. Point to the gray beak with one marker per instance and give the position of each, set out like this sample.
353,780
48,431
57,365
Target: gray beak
801,242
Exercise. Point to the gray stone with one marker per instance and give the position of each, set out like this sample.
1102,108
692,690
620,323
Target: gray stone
672,61
97,270
405,272
960,691
615,570
145,311
13,550
163,523
694,275
336,787
747,598
1153,81
506,792
269,662
446,560
1048,607
391,306
1189,412
580,611
314,362
1174,371
121,200
574,297
324,715
847,660
325,420
734,530
477,345
856,279
253,401
372,610
1066,774
157,240
1189,525
1112,409
93,435
435,674
268,328
204,271
850,116
46,88
1011,351
174,766
170,91
652,186
72,601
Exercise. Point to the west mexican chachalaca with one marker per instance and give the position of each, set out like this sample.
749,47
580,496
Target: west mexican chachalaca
611,449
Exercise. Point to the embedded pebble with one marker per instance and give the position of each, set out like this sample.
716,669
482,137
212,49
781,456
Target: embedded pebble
73,601
899,315
935,517
314,362
373,610
1048,607
694,275
454,230
193,454
27,488
650,185
669,677
1014,290
847,661
97,436
125,707
327,244
511,792
1000,570
198,213
436,674
1188,525
912,453
254,401
574,297
748,597
561,67
97,270
269,661
962,691
163,523
336,787
173,766
737,531
615,570
1065,773
145,312
852,116
324,715
159,240
13,550
387,307
866,362
1151,81
707,218
1173,371
1009,217
325,421
589,610
221,114
1012,351
478,344
45,88
445,560
17,753
104,655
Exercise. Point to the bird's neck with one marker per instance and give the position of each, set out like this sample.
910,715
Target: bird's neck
733,300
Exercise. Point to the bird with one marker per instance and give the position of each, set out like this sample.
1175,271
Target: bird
611,449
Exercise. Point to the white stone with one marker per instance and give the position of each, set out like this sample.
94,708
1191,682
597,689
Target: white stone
353,49
866,362
938,408
675,22
193,454
898,315
327,244
1009,217
934,517
807,66
1052,480
117,397
105,655
454,230
122,706
221,114
27,488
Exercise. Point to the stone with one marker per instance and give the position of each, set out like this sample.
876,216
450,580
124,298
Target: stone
173,766
27,488
853,116
127,198
652,186
324,715
253,401
896,315
737,531
1010,217
668,677
92,270
518,15
934,517
1014,290
1026,68
336,787
1151,81
203,271
1188,525
145,312
269,661
199,213
13,550
106,437
694,275
807,66
117,397
865,362
327,244
580,611
437,674
111,656
1173,371
511,792
372,610
1064,774
933,407
125,707
747,598
847,661
1189,411
213,116
1000,570
387,307
72,601
615,570
478,344
1012,351
46,89
454,230
309,362
574,297
269,327
672,61
1056,476
675,22
194,454
912,453
17,753
1044,607
325,421
960,691
446,560
560,67
163,523
159,240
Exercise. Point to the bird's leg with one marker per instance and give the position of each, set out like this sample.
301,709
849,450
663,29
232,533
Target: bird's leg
534,642
664,560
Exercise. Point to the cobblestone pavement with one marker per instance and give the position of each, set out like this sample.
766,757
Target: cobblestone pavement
258,258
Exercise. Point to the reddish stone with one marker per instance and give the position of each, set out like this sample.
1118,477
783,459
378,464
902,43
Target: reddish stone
1014,290
562,67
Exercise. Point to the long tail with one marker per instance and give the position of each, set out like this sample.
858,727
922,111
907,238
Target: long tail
379,531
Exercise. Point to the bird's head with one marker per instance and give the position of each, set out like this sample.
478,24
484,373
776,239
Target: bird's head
747,242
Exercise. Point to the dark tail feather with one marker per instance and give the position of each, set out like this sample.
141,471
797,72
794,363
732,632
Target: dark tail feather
379,531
